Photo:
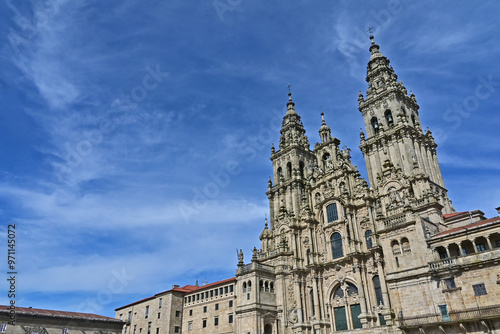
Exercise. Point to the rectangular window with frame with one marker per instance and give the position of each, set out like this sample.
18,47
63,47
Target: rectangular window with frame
190,312
230,320
204,323
177,314
204,309
479,289
159,302
216,306
450,283
226,290
177,329
216,321
231,288
190,326
159,315
147,311
230,303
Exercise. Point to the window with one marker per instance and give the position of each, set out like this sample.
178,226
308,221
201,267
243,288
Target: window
204,323
177,329
248,296
189,299
121,315
135,328
157,330
368,239
388,117
378,290
375,126
159,303
211,293
190,326
480,247
159,315
331,212
226,290
231,288
216,306
450,283
149,327
479,289
221,291
216,321
147,311
3,326
190,312
442,253
230,303
308,254
230,320
217,290
129,316
204,309
177,314
336,241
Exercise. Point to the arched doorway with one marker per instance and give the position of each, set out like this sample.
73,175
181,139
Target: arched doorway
345,307
268,329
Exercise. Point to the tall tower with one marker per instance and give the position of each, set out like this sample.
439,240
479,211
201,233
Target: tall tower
395,147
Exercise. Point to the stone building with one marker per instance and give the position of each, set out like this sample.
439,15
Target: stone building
389,255
27,320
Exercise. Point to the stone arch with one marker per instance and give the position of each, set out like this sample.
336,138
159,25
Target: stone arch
388,117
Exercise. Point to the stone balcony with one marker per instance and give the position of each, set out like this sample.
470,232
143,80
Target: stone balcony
456,316
465,260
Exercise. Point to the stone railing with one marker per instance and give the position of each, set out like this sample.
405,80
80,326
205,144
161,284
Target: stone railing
480,312
247,268
454,316
443,263
397,220
274,252
420,320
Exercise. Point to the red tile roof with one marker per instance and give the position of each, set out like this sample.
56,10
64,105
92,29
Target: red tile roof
183,289
53,313
203,287
467,227
448,215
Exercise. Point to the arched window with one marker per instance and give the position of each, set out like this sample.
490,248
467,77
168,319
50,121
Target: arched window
249,286
413,122
268,329
289,169
368,238
396,250
351,289
378,290
331,213
244,286
308,254
261,285
405,245
375,126
271,287
336,241
301,169
266,286
388,117
280,174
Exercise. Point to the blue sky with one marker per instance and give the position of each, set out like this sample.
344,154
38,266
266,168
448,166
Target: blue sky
136,135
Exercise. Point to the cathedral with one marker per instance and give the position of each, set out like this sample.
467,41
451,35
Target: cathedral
342,254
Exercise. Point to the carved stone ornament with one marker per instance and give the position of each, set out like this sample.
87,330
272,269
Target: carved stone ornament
35,329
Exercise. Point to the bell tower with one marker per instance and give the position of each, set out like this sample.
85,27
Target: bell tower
395,147
289,167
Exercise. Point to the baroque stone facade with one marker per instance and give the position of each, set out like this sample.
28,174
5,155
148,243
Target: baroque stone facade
341,254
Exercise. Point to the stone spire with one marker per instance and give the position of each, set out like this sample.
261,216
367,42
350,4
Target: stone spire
292,129
324,131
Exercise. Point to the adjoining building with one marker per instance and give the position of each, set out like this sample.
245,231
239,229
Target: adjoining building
27,320
340,254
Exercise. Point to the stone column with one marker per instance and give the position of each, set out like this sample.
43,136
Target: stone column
316,298
364,316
